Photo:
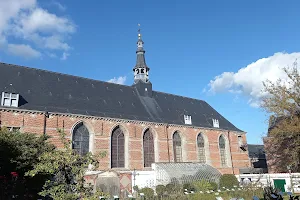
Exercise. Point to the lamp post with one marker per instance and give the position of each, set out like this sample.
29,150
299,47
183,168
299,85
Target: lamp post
134,174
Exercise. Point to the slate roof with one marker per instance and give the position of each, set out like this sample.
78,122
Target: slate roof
54,92
256,151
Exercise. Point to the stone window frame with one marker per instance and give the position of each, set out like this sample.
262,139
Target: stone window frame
206,148
228,163
126,146
91,134
183,146
154,136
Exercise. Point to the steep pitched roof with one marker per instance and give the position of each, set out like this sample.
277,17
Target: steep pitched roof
54,92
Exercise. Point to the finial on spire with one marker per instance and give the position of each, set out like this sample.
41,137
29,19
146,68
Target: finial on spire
139,31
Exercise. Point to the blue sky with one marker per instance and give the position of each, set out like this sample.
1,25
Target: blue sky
218,51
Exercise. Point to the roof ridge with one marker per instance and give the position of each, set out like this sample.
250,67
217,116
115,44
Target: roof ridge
179,96
63,74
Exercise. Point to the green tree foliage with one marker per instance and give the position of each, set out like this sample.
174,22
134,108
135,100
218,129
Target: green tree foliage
67,169
188,186
19,153
283,103
160,190
228,181
202,185
214,186
148,192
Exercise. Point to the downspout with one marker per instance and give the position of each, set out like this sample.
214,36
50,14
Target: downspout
168,142
46,115
0,118
230,152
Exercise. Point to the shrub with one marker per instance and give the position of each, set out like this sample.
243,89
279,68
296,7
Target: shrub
148,192
202,185
136,188
19,153
214,186
228,181
169,188
160,189
188,186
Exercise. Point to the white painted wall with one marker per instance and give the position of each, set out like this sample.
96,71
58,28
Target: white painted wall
264,178
144,179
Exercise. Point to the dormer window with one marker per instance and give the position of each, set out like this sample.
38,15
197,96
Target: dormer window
10,99
215,123
187,119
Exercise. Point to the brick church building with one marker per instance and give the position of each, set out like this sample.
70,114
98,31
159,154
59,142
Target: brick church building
135,125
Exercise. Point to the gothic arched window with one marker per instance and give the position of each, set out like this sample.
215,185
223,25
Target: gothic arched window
222,147
81,139
177,147
117,148
148,144
201,148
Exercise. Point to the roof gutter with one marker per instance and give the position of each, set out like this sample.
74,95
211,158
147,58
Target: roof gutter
167,133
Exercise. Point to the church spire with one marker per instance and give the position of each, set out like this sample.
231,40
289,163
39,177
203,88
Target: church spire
141,70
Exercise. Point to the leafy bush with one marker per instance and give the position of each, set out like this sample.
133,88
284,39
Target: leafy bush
160,190
170,188
269,190
148,192
67,169
228,181
188,186
245,194
214,185
202,185
136,188
19,154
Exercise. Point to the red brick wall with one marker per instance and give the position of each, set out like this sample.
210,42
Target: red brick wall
102,129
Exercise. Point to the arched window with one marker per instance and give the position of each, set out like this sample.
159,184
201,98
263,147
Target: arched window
148,145
201,148
177,147
222,147
81,139
117,148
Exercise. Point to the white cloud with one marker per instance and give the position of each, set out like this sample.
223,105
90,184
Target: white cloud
51,55
23,50
59,5
120,80
249,80
27,21
65,56
40,20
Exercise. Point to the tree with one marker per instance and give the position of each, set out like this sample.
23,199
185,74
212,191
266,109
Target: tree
19,153
228,181
283,103
66,169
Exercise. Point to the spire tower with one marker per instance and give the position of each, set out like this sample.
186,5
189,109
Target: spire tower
141,70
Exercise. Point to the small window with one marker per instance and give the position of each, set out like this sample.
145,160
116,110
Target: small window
215,123
187,119
240,140
9,99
